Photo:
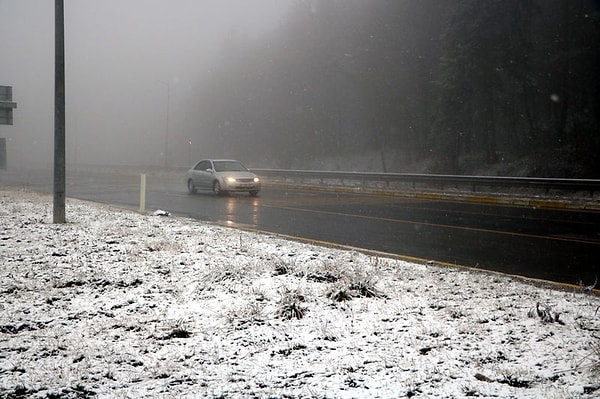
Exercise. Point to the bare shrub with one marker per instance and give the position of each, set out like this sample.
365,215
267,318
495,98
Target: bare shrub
178,329
588,289
253,313
355,285
281,267
158,244
340,293
327,332
516,378
545,313
290,305
222,273
322,270
365,287
258,293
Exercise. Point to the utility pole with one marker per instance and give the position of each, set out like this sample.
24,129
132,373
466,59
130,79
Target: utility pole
59,113
167,121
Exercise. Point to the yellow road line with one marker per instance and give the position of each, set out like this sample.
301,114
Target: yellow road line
537,236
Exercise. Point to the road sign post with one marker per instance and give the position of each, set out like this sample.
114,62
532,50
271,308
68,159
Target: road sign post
6,118
3,161
6,105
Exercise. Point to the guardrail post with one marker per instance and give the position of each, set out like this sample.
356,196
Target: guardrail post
142,193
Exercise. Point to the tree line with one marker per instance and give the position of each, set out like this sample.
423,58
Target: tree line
457,86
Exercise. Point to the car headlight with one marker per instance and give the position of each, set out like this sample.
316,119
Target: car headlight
230,179
256,180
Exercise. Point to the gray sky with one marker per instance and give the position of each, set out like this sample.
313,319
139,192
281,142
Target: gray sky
122,57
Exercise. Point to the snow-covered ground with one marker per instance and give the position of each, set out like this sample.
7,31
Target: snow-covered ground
116,304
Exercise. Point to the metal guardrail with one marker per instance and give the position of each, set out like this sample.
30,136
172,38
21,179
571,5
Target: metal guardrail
436,182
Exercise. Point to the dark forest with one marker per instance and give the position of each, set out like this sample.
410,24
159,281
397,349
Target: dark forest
507,87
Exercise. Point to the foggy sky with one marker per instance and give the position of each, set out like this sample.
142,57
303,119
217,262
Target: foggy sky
122,58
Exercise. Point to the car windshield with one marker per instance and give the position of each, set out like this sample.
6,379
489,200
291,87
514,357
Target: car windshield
229,166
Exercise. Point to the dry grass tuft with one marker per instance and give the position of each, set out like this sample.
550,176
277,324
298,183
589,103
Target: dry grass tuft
281,267
253,313
290,305
545,313
356,285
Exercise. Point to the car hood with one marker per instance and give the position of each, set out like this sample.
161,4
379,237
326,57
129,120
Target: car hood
237,174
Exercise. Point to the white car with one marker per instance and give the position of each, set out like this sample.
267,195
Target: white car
222,176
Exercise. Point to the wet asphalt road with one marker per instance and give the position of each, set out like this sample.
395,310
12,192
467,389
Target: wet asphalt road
556,245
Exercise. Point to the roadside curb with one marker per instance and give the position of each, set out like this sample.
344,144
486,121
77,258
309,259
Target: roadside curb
417,260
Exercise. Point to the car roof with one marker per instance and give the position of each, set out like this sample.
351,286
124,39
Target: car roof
218,160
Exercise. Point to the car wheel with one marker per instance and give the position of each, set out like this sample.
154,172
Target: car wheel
191,187
217,188
253,193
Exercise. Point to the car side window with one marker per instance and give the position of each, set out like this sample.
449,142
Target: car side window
203,165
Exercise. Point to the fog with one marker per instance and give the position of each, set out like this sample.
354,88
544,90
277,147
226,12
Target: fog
127,63
378,85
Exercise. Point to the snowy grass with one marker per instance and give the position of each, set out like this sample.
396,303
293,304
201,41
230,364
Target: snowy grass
115,304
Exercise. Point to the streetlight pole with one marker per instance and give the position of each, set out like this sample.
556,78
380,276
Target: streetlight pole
59,114
167,120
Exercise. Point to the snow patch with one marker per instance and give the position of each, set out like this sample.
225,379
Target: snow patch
119,304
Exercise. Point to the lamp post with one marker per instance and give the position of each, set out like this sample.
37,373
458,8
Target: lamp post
167,120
